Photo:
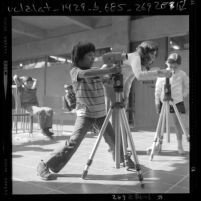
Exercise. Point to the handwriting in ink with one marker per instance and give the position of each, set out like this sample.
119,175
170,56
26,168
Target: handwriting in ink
181,5
95,7
112,7
119,197
30,8
160,6
143,7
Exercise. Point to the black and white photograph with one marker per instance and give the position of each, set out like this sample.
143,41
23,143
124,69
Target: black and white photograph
100,105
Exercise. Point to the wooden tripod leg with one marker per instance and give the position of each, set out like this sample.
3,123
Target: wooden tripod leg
167,121
158,131
164,119
117,138
89,162
125,121
137,164
124,139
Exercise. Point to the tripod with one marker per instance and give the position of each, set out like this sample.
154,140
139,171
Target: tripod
164,116
122,125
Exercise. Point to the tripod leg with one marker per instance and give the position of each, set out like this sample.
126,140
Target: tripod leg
117,138
160,140
157,134
138,168
167,121
89,162
124,142
180,121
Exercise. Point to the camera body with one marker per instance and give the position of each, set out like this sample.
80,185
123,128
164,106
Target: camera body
167,90
116,58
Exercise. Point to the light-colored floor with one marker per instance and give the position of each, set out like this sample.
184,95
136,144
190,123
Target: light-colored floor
166,173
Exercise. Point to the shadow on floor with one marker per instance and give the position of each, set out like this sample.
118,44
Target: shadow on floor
164,153
30,146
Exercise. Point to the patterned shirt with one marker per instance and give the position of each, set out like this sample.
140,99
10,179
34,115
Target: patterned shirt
90,99
27,97
179,87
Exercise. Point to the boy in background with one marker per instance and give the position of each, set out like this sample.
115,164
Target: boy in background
27,88
69,97
179,90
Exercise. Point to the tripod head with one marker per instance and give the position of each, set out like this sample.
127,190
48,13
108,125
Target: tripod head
116,58
111,58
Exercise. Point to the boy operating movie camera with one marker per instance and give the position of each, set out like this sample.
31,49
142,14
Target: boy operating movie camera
90,109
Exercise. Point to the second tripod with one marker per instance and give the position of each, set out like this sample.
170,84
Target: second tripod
164,117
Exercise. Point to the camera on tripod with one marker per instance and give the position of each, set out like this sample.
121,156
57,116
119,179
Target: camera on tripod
116,58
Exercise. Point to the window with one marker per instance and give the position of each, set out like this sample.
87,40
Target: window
179,43
54,59
29,64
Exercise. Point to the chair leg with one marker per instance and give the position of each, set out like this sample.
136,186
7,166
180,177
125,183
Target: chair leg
38,126
31,125
13,123
16,123
57,123
62,124
27,123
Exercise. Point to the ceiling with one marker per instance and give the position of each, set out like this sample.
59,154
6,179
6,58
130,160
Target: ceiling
27,29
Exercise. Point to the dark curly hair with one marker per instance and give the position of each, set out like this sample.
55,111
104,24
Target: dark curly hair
144,49
79,50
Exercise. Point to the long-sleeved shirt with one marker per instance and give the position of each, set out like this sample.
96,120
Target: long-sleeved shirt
27,97
131,69
179,87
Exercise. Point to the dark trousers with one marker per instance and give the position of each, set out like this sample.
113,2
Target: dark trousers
45,115
59,157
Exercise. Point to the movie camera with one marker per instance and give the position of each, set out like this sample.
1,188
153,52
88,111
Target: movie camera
116,58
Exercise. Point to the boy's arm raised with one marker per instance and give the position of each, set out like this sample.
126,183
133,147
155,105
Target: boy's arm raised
17,80
99,72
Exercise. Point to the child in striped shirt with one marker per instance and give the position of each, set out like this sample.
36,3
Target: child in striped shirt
90,109
179,89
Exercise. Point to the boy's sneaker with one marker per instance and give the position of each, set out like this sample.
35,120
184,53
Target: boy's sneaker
47,133
130,164
43,172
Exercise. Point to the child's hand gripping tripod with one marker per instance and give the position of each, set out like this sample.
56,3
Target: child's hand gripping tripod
164,116
122,125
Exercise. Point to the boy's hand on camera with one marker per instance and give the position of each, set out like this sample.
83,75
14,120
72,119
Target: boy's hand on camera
104,66
115,69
